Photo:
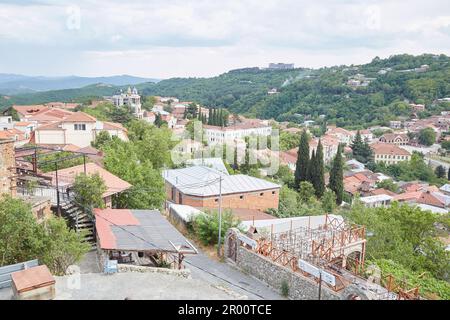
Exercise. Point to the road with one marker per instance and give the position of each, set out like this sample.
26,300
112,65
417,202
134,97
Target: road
217,273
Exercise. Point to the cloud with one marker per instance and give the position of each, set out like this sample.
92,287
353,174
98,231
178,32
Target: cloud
206,37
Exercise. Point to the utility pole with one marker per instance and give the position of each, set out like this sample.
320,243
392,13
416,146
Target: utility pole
58,207
320,284
220,216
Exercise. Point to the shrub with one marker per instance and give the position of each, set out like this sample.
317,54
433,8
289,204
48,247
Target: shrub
284,288
206,226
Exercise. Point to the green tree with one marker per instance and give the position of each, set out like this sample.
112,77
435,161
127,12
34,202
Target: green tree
427,136
125,160
62,247
306,192
311,172
102,138
337,177
318,177
440,172
22,238
301,170
329,201
206,226
89,190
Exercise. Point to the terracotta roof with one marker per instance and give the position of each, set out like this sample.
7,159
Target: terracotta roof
287,157
32,278
80,117
113,126
113,183
424,197
22,124
28,110
390,149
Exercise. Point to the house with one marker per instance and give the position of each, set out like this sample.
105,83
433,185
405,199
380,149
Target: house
200,186
366,135
79,129
355,165
445,189
344,136
139,237
389,153
6,123
417,107
330,146
400,139
15,135
395,124
27,127
188,146
66,178
381,200
424,197
221,135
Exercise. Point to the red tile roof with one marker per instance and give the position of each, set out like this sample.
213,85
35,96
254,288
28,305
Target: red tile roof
113,183
389,149
80,117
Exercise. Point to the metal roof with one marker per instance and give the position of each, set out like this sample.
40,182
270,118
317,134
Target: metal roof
139,230
203,182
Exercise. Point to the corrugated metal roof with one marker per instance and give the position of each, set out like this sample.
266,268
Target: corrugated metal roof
153,232
203,181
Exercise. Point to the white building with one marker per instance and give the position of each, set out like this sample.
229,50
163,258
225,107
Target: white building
220,135
6,123
79,129
131,98
381,200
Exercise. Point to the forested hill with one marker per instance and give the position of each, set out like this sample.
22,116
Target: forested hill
326,91
302,92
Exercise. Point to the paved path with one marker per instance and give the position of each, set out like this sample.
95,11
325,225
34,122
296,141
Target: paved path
229,277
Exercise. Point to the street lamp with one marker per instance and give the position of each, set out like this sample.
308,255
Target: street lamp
220,215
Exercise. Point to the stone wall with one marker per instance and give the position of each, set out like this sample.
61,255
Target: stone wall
273,274
7,161
183,273
300,287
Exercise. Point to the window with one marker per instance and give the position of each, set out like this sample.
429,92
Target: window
79,127
241,197
217,200
261,194
273,192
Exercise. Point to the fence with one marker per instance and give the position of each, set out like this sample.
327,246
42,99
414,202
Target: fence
6,271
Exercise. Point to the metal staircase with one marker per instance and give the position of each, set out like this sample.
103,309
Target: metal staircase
79,221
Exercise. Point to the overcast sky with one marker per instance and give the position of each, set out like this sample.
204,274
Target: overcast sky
170,38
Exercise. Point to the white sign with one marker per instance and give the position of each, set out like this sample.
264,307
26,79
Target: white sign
328,278
252,243
309,268
312,270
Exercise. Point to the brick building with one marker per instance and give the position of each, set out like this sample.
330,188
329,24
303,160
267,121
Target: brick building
199,186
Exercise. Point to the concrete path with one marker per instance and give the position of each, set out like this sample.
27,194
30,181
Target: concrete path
217,273
136,286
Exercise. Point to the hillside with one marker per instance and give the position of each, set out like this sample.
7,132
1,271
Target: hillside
386,85
17,84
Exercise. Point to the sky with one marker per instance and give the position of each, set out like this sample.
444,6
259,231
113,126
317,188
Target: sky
203,38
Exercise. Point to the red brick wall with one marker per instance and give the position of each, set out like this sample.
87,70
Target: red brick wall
260,200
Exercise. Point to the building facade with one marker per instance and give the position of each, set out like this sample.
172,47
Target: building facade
389,153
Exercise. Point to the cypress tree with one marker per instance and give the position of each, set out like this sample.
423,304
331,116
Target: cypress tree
216,117
209,116
448,174
440,172
311,173
222,122
213,119
319,179
337,177
301,169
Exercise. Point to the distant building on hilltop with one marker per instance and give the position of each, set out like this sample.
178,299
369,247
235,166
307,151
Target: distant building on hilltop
281,66
131,98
